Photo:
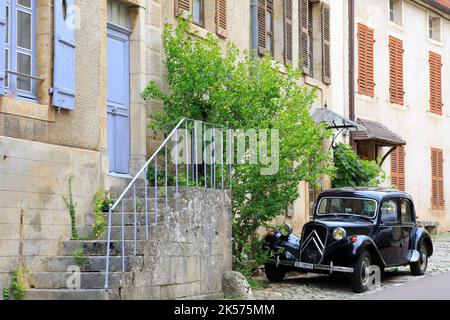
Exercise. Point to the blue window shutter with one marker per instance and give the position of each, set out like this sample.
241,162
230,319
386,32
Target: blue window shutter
64,59
2,46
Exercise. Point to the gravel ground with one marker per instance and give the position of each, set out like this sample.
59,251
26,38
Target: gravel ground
324,287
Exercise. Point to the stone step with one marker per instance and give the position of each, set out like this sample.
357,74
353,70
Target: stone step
88,280
129,205
116,192
116,232
98,247
94,263
66,294
129,217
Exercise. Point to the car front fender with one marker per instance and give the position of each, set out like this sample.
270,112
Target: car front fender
362,243
421,235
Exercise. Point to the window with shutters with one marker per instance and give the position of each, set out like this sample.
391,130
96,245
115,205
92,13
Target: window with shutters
396,91
435,73
366,82
265,27
395,11
269,27
288,31
19,52
437,179
434,28
398,168
183,8
326,44
306,35
221,18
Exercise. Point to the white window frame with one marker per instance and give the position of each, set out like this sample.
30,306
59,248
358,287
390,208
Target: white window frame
433,38
13,50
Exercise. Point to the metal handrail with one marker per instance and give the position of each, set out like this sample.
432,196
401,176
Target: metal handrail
144,169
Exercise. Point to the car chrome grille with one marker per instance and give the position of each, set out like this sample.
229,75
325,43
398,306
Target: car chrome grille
314,239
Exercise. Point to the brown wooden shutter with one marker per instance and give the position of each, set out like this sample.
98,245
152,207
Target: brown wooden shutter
437,179
440,160
288,32
435,63
304,30
394,168
221,18
398,168
326,44
396,90
366,82
261,26
182,7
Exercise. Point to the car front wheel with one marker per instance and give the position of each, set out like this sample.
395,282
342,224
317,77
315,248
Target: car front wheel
361,273
273,273
419,267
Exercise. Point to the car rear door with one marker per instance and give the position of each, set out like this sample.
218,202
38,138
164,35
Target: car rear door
407,221
388,237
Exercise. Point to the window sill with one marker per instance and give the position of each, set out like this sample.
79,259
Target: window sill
366,98
396,25
435,115
26,109
397,106
436,42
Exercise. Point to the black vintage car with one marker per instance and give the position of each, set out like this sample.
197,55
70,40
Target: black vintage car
353,230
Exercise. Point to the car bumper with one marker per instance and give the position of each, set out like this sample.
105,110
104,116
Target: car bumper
310,267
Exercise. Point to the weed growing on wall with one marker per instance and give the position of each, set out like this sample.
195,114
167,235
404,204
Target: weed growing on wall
18,284
71,206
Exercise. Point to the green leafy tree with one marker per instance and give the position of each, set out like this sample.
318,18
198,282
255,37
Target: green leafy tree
351,171
230,88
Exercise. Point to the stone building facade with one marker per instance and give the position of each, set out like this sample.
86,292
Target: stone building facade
401,91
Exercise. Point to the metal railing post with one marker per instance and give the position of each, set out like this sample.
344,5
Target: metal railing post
108,246
146,204
123,235
156,191
135,219
165,173
176,162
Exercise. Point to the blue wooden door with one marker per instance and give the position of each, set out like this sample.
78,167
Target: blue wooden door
118,101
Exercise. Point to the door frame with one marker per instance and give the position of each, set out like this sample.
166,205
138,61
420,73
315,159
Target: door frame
122,34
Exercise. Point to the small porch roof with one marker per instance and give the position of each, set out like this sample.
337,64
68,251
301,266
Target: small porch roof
377,132
333,119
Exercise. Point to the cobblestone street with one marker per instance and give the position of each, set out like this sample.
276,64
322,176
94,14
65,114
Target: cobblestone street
324,287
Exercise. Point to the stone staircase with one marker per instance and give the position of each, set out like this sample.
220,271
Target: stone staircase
52,282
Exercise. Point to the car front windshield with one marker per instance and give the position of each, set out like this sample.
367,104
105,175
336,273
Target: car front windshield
347,206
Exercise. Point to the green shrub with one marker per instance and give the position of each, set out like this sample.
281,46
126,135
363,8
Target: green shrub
351,171
234,90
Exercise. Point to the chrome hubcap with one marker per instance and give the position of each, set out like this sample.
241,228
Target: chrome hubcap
423,257
365,271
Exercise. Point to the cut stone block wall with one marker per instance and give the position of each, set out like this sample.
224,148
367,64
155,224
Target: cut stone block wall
33,179
189,252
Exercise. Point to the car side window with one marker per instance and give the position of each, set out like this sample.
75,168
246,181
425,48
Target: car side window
406,210
389,212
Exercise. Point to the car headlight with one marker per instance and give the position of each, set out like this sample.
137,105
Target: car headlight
339,233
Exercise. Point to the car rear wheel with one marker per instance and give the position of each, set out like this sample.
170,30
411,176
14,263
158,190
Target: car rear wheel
360,278
419,267
273,273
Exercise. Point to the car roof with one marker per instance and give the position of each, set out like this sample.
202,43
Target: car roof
376,193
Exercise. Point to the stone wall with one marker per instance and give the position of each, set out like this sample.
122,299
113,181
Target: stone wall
33,216
190,252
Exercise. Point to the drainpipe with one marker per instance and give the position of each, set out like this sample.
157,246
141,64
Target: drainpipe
351,65
254,27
